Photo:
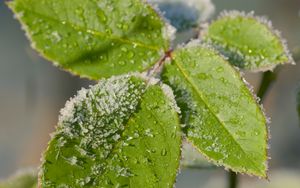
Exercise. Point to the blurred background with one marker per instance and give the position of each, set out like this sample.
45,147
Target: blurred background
32,91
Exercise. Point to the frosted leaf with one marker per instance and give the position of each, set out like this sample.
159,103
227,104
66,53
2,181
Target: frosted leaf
169,93
94,39
105,133
169,32
222,118
184,15
250,42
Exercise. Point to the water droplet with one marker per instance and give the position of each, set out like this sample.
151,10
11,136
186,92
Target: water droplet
124,49
241,133
130,54
56,36
101,16
203,76
220,69
121,62
80,12
125,27
173,135
149,133
108,31
163,152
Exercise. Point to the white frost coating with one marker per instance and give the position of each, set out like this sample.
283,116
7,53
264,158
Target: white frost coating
267,122
67,112
94,121
73,160
194,43
108,101
169,32
149,79
169,93
96,115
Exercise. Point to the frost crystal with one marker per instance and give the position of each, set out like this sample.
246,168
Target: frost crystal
169,93
93,121
98,114
169,32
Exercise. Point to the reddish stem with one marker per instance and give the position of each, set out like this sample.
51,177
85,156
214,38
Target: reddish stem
168,54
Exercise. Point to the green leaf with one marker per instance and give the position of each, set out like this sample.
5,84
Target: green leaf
95,38
221,116
119,133
22,179
249,42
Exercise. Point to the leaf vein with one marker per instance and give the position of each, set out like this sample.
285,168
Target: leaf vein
209,108
97,33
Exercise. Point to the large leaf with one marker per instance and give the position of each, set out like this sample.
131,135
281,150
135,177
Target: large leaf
250,42
22,179
94,38
118,133
221,116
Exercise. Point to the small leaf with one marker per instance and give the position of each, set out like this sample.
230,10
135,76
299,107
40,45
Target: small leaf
221,117
184,15
22,179
118,133
249,42
96,38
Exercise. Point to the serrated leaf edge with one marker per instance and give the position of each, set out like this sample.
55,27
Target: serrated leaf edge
168,33
153,81
265,22
196,43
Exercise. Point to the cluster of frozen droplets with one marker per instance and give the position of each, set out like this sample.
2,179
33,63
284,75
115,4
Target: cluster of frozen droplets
95,119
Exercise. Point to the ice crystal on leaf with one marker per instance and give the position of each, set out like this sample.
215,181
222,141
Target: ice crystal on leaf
105,127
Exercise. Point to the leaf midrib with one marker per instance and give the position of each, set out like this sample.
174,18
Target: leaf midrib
94,32
194,87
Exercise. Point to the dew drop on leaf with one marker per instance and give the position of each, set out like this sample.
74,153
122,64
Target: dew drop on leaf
164,152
